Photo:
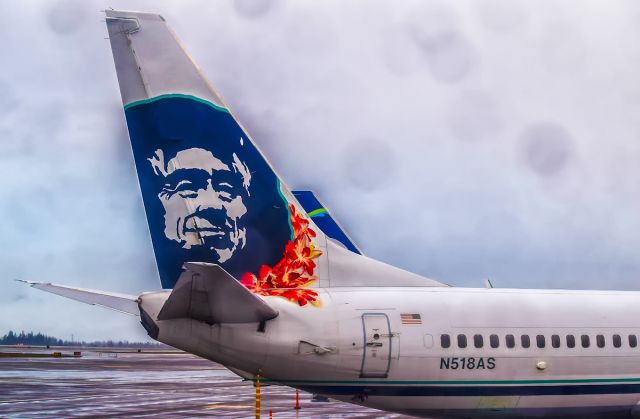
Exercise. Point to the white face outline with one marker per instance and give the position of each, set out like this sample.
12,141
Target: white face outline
203,200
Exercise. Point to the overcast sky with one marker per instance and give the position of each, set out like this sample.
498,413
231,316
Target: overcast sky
459,140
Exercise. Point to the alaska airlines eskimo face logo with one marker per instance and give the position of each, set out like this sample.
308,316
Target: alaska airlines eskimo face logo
204,200
210,196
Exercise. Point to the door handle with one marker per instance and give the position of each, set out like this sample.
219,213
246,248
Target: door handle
374,344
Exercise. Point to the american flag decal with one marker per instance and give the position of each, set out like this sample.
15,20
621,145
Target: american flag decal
410,318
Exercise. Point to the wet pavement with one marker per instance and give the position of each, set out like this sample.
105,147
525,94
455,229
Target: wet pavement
104,384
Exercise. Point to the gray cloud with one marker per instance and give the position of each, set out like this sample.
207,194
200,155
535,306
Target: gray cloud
418,120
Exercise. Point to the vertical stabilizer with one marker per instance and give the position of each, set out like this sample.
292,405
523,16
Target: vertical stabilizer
209,194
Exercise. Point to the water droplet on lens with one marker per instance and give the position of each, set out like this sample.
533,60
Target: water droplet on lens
369,163
66,16
546,148
253,9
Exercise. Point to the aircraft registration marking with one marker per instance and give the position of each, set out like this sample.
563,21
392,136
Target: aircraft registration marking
467,363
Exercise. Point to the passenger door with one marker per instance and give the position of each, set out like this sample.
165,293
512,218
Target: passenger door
377,345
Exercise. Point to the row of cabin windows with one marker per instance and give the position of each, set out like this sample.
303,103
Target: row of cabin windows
541,341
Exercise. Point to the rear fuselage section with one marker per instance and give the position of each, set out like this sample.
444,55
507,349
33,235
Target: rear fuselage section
442,351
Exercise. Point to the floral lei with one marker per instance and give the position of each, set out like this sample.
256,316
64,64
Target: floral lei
289,277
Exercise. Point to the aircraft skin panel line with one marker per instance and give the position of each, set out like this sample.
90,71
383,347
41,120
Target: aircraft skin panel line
256,278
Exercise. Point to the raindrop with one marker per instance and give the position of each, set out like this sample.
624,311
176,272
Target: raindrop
546,148
369,163
253,9
400,52
426,25
66,16
450,58
449,55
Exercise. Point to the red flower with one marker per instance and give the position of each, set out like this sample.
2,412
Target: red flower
289,277
299,255
300,225
249,280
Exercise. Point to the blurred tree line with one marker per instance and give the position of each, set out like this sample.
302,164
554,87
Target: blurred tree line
40,339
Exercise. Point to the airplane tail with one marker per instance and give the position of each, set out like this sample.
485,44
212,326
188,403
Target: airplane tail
210,195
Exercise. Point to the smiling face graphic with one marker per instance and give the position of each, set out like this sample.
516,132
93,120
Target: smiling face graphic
203,200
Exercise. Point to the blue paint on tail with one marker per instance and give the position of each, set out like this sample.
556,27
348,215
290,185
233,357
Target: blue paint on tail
209,194
323,219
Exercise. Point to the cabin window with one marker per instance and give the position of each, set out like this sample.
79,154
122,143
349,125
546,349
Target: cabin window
525,341
478,341
494,341
600,341
584,339
445,341
462,341
571,341
617,341
633,341
510,341
555,341
540,341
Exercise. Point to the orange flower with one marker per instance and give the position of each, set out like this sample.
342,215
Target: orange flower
300,225
294,272
299,255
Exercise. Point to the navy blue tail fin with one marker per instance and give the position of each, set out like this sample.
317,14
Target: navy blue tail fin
209,194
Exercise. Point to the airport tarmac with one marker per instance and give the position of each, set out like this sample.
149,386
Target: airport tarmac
109,384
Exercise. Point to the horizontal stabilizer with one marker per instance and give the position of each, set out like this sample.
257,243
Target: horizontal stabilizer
207,293
120,302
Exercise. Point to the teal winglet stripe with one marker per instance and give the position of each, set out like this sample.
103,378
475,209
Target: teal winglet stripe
176,95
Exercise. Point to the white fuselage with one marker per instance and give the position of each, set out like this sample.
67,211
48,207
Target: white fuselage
356,348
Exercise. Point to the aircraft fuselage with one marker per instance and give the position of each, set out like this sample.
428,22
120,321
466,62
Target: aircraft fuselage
439,351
